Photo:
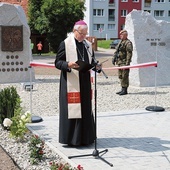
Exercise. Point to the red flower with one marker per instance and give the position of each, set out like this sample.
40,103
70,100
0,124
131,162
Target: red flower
36,136
80,167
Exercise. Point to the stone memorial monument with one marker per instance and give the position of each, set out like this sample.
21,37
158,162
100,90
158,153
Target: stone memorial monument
15,50
151,42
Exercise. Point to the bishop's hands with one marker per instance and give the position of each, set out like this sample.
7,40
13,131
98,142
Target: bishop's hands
73,65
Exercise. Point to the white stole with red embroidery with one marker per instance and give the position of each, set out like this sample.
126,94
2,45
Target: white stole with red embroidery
73,86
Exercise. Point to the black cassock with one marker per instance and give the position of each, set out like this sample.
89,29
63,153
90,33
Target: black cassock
75,132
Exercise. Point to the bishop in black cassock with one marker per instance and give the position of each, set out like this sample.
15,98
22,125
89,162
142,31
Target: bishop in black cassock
76,131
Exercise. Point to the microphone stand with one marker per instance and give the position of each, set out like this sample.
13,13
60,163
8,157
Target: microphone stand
96,153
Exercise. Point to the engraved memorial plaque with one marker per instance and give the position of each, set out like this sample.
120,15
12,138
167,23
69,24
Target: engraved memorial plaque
12,38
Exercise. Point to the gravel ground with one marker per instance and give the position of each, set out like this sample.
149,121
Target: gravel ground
45,96
43,101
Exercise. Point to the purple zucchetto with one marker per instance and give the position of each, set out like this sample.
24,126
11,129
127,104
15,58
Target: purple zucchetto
81,22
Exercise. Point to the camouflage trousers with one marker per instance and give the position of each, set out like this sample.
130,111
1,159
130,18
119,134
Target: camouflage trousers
124,77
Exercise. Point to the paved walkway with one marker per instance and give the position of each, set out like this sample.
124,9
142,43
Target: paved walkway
136,140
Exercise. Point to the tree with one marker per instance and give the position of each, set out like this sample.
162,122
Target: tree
55,18
34,14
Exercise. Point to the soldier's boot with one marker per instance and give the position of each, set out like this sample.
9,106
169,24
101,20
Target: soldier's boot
124,91
119,91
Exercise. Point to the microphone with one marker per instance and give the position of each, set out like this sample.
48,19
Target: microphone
85,44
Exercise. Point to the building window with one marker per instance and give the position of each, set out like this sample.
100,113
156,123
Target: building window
168,13
123,13
111,14
111,26
158,13
111,1
135,0
159,0
97,27
124,0
98,12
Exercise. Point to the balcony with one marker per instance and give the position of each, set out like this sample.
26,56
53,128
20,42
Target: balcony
147,4
111,18
111,3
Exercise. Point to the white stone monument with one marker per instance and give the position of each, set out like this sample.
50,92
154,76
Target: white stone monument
15,50
151,42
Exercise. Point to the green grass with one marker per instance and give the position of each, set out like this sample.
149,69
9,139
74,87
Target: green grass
104,43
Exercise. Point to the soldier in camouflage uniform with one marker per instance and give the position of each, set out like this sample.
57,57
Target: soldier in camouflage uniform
122,57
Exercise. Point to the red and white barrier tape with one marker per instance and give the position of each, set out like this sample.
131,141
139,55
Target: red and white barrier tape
133,66
37,64
150,64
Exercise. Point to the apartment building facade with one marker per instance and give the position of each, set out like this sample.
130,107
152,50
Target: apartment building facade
107,17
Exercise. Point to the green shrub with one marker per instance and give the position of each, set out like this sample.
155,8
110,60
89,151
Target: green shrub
18,127
9,101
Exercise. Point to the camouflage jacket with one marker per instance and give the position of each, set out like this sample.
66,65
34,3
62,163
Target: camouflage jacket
123,53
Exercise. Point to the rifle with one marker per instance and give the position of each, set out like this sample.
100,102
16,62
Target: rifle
116,55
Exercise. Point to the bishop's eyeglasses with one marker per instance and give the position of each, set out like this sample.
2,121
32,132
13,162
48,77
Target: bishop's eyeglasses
83,34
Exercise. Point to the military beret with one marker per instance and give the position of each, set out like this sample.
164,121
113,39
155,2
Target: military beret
123,31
